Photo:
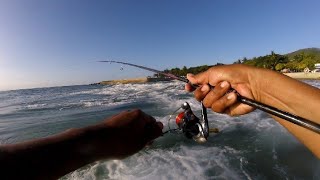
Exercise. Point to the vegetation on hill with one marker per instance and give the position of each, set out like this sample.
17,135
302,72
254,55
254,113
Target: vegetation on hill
296,61
185,70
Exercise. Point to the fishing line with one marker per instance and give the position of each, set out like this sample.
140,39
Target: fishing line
300,121
171,130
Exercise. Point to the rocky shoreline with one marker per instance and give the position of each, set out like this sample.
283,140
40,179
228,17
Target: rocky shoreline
133,80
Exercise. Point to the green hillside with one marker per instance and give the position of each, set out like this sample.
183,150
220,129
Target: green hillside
295,61
310,51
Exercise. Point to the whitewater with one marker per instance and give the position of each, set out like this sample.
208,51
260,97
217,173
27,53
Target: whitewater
252,146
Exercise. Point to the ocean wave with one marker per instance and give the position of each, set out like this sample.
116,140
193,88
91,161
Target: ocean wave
315,83
182,162
237,152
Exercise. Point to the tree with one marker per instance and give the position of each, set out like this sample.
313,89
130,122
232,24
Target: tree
184,71
237,62
280,66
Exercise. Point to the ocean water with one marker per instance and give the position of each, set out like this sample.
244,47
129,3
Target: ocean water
251,146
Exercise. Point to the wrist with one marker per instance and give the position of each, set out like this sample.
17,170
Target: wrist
96,142
269,86
260,81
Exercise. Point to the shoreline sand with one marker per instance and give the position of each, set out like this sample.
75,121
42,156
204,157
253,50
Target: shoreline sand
302,75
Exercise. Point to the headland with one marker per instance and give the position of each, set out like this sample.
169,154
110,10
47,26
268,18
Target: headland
134,80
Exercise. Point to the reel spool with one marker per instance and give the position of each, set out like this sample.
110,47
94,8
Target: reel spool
190,125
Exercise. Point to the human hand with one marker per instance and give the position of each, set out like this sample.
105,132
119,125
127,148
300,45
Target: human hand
223,78
126,133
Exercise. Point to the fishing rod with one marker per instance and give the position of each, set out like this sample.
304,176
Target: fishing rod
152,70
300,121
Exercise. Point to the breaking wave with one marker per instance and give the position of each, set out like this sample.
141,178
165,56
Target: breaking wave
252,146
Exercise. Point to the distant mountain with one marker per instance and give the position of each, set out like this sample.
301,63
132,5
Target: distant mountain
306,51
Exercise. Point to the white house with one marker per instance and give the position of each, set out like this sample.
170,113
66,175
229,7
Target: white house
317,66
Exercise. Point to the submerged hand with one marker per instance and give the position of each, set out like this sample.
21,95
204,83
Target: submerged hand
223,78
127,133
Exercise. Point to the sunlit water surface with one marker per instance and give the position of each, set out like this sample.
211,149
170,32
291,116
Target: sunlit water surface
252,146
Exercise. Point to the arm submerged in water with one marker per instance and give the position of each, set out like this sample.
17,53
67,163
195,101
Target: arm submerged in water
262,85
52,157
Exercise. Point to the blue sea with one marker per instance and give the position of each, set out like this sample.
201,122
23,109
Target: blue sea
251,146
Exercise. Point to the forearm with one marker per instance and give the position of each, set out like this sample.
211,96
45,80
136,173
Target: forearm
288,94
292,96
48,158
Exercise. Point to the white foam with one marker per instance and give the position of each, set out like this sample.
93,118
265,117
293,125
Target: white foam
36,106
182,162
173,156
241,167
315,83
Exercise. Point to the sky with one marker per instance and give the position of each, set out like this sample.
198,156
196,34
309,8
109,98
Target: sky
47,43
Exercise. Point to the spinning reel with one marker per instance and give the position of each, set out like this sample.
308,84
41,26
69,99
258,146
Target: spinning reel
190,125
